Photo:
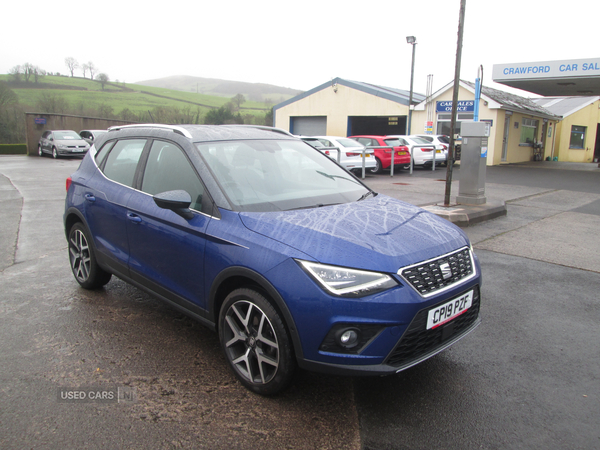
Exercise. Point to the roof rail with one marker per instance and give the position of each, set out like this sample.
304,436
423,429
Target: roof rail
262,127
174,128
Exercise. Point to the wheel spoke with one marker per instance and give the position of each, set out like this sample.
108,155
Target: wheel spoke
238,335
262,338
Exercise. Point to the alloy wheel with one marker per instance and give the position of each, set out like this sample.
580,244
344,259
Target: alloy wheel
251,342
79,255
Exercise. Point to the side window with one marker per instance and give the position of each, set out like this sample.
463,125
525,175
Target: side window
168,169
122,160
101,154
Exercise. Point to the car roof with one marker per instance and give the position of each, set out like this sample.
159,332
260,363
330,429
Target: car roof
208,133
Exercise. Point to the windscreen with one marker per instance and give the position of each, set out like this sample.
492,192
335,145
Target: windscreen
66,135
269,175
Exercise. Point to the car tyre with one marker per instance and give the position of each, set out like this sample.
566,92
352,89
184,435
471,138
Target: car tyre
256,343
54,153
378,166
40,152
83,261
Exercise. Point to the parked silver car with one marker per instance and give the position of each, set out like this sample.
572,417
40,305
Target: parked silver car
62,142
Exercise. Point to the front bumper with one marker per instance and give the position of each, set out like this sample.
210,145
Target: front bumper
394,323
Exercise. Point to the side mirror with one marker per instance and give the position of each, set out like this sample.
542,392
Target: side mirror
177,201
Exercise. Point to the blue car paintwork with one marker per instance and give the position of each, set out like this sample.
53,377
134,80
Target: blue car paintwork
189,258
380,234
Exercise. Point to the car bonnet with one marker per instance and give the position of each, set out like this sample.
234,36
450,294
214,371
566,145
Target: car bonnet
379,233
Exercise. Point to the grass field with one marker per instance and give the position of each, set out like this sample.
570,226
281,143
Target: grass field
84,94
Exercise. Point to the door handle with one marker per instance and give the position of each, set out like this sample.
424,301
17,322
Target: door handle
134,217
90,198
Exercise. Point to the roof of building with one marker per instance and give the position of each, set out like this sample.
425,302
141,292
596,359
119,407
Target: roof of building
500,100
511,101
395,95
565,106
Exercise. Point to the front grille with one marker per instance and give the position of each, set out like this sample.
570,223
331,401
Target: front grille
417,341
428,277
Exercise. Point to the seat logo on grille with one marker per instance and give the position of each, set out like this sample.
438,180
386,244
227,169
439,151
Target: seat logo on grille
446,271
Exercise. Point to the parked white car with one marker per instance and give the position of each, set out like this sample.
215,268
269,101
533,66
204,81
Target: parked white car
350,153
439,140
422,151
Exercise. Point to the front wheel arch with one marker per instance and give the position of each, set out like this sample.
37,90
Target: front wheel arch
237,277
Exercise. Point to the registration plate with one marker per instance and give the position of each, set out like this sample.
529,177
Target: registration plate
448,311
438,151
77,150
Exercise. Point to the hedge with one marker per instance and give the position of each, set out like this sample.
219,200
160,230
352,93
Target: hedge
13,149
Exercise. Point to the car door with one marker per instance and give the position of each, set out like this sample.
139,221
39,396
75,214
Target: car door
46,141
166,249
105,199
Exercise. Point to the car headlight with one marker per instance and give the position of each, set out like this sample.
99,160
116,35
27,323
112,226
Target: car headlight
347,282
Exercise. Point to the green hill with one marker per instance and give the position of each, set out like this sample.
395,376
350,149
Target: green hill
259,92
82,96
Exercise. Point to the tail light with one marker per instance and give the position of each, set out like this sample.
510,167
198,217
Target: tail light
353,154
423,149
327,152
68,184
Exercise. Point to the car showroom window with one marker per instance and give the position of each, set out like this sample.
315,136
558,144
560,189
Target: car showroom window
122,160
528,131
577,137
168,169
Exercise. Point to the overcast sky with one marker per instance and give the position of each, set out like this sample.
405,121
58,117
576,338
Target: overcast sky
297,44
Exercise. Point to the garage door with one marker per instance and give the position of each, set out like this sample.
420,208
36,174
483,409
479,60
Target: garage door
309,126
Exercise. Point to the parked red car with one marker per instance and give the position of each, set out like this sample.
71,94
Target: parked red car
383,156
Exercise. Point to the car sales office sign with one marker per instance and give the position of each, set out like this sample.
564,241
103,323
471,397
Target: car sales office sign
462,106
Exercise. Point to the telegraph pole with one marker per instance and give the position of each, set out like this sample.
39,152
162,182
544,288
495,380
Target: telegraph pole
450,161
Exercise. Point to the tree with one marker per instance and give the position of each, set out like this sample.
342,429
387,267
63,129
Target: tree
223,115
38,73
7,96
269,118
105,111
72,64
103,79
15,73
91,68
238,100
27,70
52,103
84,69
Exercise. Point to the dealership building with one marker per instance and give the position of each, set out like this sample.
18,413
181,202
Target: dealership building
564,127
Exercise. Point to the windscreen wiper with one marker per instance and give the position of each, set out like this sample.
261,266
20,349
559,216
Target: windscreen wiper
366,194
337,176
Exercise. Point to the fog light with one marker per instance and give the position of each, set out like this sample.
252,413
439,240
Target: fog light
348,338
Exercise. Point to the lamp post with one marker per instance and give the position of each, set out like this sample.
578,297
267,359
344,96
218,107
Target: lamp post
412,41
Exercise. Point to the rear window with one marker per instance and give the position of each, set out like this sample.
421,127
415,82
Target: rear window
349,142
